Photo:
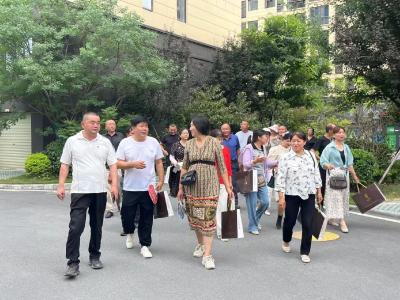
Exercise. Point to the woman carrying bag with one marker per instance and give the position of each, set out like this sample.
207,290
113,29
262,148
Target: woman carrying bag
200,187
298,183
176,158
254,159
337,159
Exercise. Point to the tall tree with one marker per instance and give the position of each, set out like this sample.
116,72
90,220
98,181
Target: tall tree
278,67
61,58
368,44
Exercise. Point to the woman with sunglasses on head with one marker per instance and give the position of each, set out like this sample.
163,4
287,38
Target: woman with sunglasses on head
337,159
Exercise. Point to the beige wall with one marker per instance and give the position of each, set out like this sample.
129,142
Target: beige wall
207,21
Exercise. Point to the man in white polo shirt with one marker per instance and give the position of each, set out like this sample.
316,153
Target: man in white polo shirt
87,152
139,155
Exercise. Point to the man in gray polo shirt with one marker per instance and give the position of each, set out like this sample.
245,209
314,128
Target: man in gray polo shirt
87,152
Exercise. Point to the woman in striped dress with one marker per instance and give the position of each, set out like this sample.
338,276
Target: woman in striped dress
201,197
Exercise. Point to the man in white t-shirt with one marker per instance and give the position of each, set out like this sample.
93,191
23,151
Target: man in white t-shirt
87,152
139,155
244,134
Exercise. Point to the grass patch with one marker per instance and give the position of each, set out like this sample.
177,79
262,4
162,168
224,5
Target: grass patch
26,179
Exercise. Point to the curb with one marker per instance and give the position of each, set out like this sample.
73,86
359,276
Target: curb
377,211
32,187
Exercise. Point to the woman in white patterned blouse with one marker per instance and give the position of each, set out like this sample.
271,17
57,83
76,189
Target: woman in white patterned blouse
298,182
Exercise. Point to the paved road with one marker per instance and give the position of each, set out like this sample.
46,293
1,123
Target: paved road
33,228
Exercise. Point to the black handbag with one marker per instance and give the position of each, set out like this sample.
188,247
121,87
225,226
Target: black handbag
338,182
271,182
189,178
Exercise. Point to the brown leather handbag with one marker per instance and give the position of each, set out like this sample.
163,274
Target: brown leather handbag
368,197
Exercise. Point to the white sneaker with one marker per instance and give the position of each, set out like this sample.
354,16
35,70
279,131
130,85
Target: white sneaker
285,248
267,212
198,251
305,259
146,252
225,240
255,232
129,241
208,262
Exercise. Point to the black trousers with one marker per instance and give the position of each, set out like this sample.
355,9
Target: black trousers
80,203
235,169
133,201
293,205
322,171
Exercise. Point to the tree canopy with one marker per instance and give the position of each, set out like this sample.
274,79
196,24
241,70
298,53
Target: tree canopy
277,68
368,44
61,58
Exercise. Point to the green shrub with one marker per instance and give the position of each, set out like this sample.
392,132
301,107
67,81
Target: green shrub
38,165
394,174
381,152
53,152
365,165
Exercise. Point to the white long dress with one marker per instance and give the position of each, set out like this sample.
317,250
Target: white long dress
337,201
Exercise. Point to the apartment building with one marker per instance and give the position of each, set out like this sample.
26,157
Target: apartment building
254,12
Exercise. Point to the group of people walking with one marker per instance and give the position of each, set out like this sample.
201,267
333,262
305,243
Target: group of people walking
293,168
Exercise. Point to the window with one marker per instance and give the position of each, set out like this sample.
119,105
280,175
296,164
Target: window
252,25
147,4
252,4
269,3
320,14
243,9
295,4
280,6
181,10
243,26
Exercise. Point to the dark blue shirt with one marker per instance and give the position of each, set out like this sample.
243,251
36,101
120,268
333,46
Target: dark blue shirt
232,142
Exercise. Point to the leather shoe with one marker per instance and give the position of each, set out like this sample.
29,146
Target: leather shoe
109,214
72,271
95,263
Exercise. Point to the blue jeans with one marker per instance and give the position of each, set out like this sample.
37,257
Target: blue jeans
253,213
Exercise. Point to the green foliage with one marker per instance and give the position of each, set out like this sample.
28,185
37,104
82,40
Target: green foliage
318,117
394,174
381,152
368,43
277,68
211,103
63,58
365,165
53,152
38,165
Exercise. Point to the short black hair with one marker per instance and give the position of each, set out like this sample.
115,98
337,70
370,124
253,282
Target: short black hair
258,133
312,130
301,135
138,119
216,133
202,124
287,136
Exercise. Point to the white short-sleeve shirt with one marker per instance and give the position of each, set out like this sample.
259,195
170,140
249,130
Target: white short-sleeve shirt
88,160
148,151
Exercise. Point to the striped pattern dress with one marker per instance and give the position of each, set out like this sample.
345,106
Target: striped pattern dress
202,196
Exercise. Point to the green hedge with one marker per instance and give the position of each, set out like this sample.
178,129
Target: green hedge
54,151
38,165
365,165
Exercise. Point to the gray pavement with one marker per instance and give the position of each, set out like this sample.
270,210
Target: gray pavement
33,227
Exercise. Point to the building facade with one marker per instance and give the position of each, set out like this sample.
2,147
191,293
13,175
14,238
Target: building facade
254,12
